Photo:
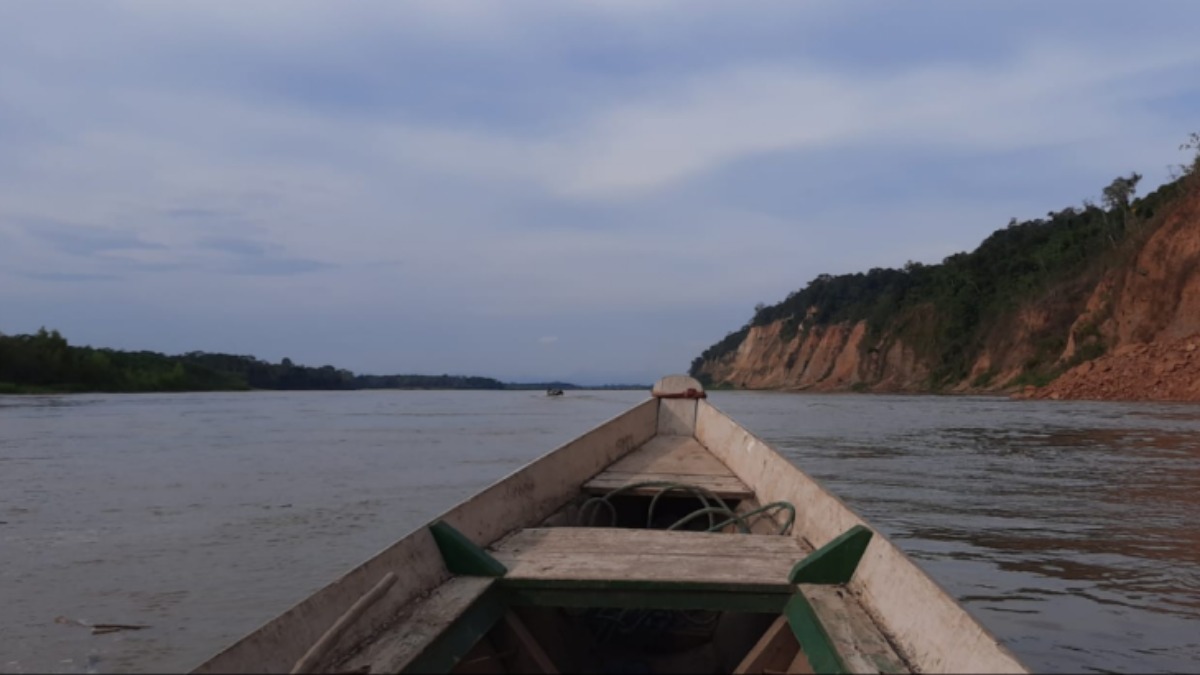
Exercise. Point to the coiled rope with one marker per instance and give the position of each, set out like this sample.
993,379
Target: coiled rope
712,506
609,623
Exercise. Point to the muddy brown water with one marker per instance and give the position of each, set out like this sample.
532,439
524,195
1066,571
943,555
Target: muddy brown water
1071,530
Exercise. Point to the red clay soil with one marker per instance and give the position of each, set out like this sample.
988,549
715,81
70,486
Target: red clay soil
1154,371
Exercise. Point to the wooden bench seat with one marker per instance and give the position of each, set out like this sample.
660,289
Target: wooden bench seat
671,459
418,626
635,558
863,648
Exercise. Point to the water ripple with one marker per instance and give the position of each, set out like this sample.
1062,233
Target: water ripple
1071,530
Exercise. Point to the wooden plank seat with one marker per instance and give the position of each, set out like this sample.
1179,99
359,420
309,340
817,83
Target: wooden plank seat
863,648
416,629
634,558
836,633
671,459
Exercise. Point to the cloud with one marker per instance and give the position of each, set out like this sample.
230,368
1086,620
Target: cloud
548,339
69,277
84,240
194,213
565,169
279,267
690,127
241,247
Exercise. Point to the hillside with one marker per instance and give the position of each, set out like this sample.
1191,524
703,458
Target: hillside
1036,300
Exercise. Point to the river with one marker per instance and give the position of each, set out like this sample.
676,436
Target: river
1070,529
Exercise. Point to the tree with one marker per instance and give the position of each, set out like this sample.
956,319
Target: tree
1193,144
1120,191
1117,195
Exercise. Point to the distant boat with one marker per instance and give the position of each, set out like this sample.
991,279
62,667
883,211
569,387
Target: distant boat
554,392
668,539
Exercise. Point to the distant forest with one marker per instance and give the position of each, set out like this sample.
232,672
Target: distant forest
44,362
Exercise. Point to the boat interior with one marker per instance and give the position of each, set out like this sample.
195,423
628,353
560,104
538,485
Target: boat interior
665,562
616,640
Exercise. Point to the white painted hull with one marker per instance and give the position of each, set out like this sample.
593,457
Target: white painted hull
923,624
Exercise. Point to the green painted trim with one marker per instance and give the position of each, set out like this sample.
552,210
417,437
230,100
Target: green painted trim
637,585
462,556
766,603
835,562
445,651
802,618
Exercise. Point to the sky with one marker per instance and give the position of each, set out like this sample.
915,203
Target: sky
588,191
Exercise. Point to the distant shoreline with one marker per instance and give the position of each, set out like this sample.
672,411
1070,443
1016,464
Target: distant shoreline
42,391
44,363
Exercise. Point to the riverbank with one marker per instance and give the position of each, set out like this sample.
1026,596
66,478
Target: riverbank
11,389
44,362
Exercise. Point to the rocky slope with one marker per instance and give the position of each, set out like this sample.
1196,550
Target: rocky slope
1153,371
1125,326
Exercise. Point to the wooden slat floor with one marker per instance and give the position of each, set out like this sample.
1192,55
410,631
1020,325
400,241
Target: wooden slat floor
675,459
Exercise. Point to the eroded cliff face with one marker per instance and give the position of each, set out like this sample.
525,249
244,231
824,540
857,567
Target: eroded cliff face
841,357
1147,316
1131,334
822,358
1158,298
1010,345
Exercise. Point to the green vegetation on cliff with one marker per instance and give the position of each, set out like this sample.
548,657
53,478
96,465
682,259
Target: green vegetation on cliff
947,310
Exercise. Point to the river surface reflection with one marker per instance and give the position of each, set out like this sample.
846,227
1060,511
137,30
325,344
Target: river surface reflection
1072,530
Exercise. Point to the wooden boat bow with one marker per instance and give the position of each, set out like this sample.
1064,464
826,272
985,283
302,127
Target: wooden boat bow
668,538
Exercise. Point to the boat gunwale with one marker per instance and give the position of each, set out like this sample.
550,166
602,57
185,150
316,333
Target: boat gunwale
280,628
879,546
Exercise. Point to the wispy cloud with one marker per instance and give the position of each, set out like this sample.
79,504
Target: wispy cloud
689,127
241,247
278,267
193,213
85,240
69,277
